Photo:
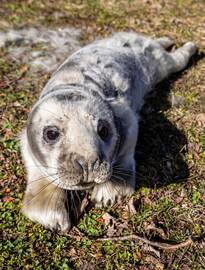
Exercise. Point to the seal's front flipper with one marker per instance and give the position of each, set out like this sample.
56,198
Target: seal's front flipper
46,204
120,185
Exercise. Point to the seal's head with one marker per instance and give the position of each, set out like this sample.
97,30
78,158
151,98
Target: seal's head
73,136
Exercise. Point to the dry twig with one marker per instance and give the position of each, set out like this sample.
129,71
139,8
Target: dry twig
163,246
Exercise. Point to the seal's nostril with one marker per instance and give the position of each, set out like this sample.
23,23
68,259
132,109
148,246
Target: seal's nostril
80,163
77,166
94,164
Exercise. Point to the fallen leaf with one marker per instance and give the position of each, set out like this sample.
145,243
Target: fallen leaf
84,204
152,260
200,118
8,199
186,267
23,69
158,231
108,219
149,249
100,220
8,134
131,207
146,201
110,223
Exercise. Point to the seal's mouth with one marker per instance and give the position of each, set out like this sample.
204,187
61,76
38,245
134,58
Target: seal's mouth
77,178
88,185
82,186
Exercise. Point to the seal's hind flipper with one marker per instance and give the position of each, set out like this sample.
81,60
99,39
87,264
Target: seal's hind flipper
165,42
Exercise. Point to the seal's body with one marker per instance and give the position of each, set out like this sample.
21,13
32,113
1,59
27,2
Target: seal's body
82,132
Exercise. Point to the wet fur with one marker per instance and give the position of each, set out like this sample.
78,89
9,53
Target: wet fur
122,70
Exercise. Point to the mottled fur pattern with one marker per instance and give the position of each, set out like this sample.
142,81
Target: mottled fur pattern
106,82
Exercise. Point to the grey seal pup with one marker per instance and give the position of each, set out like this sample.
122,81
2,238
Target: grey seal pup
82,132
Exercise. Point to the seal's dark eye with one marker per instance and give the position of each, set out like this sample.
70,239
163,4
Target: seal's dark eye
103,130
51,134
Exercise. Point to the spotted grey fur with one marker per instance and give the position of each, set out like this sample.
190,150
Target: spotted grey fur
104,81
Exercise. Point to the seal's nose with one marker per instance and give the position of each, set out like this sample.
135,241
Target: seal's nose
90,165
80,164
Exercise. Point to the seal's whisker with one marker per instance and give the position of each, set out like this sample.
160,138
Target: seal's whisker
108,188
121,168
42,189
75,209
122,172
46,176
119,181
43,172
52,193
77,205
119,176
111,191
115,179
41,178
67,203
42,166
77,195
59,191
118,184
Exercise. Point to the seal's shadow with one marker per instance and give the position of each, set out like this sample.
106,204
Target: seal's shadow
161,145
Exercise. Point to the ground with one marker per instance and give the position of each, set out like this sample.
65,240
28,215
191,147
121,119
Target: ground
169,203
